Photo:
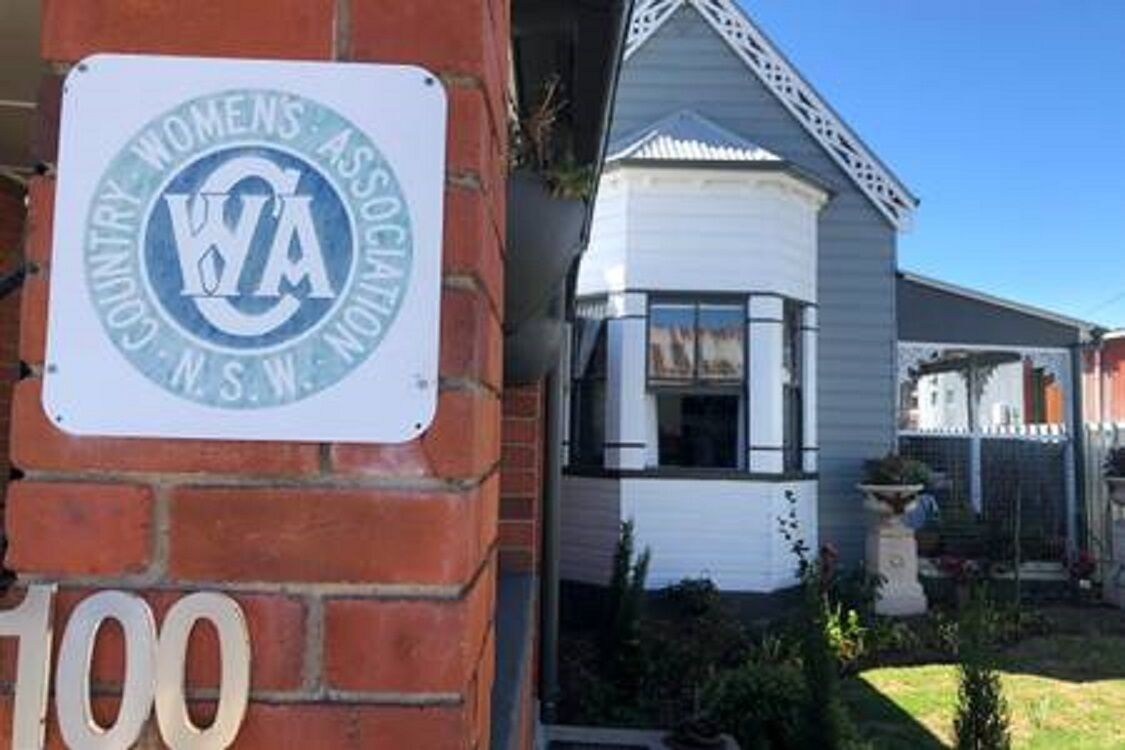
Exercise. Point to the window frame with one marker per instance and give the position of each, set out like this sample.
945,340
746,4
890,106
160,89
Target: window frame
575,457
697,384
703,386
793,388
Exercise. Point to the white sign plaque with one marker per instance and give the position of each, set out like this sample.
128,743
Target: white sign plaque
246,249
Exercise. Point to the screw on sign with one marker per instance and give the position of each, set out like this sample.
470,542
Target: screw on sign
154,670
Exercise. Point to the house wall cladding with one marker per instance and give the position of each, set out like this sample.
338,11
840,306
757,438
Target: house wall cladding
366,572
687,65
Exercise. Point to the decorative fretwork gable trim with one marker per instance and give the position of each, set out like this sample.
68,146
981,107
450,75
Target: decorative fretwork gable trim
771,67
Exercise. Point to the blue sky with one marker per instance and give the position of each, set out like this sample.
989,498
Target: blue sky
1006,117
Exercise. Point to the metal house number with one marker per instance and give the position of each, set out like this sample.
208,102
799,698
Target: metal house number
154,670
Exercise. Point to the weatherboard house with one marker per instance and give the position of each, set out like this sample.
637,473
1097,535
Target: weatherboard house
744,340
735,339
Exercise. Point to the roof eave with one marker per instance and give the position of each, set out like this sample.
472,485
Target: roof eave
727,165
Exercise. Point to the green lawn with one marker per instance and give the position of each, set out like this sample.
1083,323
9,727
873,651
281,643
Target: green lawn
1064,691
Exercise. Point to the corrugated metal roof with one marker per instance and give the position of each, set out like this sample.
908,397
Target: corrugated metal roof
687,136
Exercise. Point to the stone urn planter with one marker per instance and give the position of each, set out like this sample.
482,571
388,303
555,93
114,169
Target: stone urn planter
1116,487
1113,587
892,487
891,499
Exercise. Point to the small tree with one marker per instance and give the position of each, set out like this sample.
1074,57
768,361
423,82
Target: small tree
620,641
982,720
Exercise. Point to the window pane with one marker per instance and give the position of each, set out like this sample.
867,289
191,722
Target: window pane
791,345
698,431
792,361
722,342
792,427
671,337
588,448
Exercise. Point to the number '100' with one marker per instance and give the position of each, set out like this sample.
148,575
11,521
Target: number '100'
154,670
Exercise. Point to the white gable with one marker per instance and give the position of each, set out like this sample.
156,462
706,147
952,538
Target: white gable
770,66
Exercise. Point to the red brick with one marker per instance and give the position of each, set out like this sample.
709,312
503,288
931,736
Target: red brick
519,483
517,508
314,534
459,37
40,218
276,624
517,560
519,456
38,444
522,402
12,214
406,645
472,246
471,340
301,29
352,727
32,335
482,702
79,529
520,534
462,443
520,430
472,143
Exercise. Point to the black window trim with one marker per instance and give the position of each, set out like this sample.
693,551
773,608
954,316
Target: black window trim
697,300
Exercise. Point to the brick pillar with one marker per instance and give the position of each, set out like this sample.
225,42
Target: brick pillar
521,482
366,572
12,215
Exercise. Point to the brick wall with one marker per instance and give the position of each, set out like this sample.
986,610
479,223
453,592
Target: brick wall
1103,382
12,215
521,480
366,572
1113,378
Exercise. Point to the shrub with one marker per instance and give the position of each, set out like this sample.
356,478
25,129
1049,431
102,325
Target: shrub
826,723
895,469
856,589
689,637
982,716
759,704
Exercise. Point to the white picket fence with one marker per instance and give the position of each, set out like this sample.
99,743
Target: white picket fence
1099,439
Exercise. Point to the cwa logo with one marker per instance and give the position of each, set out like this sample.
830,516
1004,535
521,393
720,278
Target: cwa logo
214,228
248,249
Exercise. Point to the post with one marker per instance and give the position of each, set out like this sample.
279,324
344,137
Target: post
766,326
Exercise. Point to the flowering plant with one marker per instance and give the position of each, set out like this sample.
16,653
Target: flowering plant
1082,565
960,569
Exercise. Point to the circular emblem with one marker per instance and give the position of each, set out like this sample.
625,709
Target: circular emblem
248,249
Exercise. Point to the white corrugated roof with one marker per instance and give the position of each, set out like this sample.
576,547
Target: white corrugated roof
687,136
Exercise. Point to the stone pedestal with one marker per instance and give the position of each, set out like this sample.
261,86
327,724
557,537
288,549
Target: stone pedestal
893,554
1113,587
